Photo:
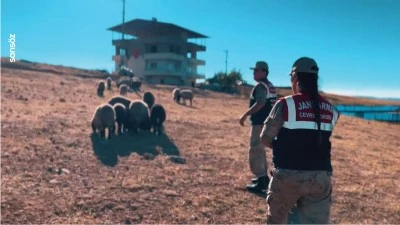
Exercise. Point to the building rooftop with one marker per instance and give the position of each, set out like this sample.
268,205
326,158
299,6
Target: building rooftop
147,28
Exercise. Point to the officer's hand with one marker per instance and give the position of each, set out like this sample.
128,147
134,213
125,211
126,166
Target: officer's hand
242,120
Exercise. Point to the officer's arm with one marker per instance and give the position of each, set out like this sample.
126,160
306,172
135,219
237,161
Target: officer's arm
261,99
255,108
272,125
272,98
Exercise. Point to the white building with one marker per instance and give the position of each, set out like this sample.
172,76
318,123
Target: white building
160,52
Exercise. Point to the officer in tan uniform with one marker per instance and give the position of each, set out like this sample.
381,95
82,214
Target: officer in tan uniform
262,99
298,129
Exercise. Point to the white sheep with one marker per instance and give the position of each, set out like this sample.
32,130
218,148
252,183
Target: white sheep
186,94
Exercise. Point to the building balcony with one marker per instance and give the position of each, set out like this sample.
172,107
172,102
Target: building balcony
198,62
166,72
164,55
121,43
149,72
196,76
164,40
196,47
191,46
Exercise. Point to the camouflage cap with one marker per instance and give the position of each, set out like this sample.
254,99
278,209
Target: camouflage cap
305,65
261,65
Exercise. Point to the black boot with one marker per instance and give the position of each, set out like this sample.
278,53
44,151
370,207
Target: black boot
260,186
254,180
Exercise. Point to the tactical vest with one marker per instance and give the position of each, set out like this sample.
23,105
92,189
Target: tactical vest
296,146
259,117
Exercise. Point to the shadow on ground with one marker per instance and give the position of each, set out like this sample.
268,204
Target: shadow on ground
107,151
187,105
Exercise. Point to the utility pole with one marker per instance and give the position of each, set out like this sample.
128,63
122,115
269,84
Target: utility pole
226,62
123,19
123,33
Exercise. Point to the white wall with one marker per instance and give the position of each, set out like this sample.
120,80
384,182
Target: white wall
136,65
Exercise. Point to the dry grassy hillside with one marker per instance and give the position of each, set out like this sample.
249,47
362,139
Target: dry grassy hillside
54,171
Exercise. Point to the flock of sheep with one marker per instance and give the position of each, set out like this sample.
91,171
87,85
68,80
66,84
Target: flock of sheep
121,114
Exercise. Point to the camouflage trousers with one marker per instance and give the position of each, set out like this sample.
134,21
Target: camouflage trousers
257,155
309,190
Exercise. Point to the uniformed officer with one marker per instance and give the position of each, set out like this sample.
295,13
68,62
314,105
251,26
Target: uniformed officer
262,99
298,129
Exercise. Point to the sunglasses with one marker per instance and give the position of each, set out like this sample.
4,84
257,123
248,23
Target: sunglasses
292,75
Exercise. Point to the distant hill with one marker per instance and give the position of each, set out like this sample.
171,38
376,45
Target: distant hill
388,99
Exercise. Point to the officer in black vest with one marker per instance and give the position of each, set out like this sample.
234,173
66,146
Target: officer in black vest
262,99
298,129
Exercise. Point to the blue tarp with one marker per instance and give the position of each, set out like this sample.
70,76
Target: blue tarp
381,113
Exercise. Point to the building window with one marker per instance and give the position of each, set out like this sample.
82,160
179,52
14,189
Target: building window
171,48
178,49
122,51
178,66
153,49
170,66
162,81
153,66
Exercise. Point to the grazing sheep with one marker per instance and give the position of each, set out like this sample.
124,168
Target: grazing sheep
100,88
176,94
136,84
157,118
104,120
186,94
108,80
121,117
119,99
138,116
148,97
123,90
126,82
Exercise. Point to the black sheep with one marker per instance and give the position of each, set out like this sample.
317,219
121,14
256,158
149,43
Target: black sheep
120,99
121,117
148,97
101,86
108,80
138,116
104,119
157,118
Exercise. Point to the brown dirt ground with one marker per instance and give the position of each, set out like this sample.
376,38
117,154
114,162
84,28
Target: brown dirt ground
53,170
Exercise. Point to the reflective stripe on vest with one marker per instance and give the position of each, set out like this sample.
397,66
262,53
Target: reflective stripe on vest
292,123
270,95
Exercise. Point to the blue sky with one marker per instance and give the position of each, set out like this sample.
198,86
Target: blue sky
355,42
